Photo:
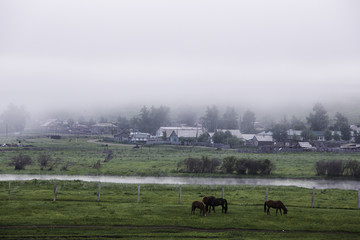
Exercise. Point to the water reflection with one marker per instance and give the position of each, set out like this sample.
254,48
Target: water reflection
305,183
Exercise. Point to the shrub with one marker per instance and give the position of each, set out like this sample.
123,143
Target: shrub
240,166
229,164
266,166
352,168
335,168
253,166
20,161
44,159
321,167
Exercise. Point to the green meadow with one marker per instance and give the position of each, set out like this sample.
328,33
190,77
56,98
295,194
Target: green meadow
32,212
78,156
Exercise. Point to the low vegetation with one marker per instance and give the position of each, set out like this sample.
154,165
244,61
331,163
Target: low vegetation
78,156
77,214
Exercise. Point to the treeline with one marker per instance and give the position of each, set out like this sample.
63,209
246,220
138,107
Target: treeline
337,168
230,165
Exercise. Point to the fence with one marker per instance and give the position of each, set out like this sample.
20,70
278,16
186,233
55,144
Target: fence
179,191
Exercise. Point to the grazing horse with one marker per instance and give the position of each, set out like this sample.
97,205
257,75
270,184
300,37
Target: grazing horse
200,205
274,204
206,201
213,202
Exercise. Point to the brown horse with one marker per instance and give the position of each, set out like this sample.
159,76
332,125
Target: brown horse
274,204
206,201
200,205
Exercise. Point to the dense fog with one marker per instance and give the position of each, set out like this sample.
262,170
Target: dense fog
95,58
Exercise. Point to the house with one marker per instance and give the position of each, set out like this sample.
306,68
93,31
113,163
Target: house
54,126
305,146
123,136
103,128
247,138
319,135
262,140
294,134
234,132
139,137
174,134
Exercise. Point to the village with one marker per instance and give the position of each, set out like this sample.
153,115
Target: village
262,141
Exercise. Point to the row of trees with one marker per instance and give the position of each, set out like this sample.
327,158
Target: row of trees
229,165
14,118
336,168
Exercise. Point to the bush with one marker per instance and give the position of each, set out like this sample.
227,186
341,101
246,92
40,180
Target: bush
335,168
20,161
229,164
44,159
253,166
266,166
240,166
321,167
352,168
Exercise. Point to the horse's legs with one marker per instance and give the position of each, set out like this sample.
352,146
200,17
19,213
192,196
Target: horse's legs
280,211
268,210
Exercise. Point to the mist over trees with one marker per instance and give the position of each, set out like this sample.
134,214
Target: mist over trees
14,118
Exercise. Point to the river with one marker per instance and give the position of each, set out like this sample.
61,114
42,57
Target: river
305,183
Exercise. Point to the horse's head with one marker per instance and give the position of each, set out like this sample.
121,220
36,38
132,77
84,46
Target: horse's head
285,210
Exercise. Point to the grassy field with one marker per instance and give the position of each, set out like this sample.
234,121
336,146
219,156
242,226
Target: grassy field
32,213
78,156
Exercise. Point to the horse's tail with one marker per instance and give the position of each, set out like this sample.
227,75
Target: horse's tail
226,207
265,206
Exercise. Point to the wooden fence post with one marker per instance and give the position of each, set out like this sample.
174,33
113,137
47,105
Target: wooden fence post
180,194
9,190
266,193
98,199
138,194
222,192
313,197
55,193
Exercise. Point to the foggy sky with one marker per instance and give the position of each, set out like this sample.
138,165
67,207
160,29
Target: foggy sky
67,54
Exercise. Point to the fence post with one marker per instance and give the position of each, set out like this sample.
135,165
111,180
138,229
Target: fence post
222,192
55,193
98,193
180,194
266,193
9,190
138,194
313,197
358,198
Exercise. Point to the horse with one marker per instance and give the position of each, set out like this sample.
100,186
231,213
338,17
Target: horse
206,201
200,205
213,202
274,204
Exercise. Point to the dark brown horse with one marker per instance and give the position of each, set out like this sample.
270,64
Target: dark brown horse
200,205
213,202
206,201
274,204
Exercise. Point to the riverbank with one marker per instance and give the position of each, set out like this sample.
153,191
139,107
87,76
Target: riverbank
303,183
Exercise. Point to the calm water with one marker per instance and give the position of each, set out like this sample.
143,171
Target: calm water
318,184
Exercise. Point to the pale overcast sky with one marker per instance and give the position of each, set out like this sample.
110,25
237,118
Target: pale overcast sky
78,53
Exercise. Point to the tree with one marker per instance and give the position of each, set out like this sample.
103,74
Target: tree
307,134
230,119
297,124
280,132
150,120
20,161
122,123
187,117
328,135
342,124
247,124
318,120
14,118
211,118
